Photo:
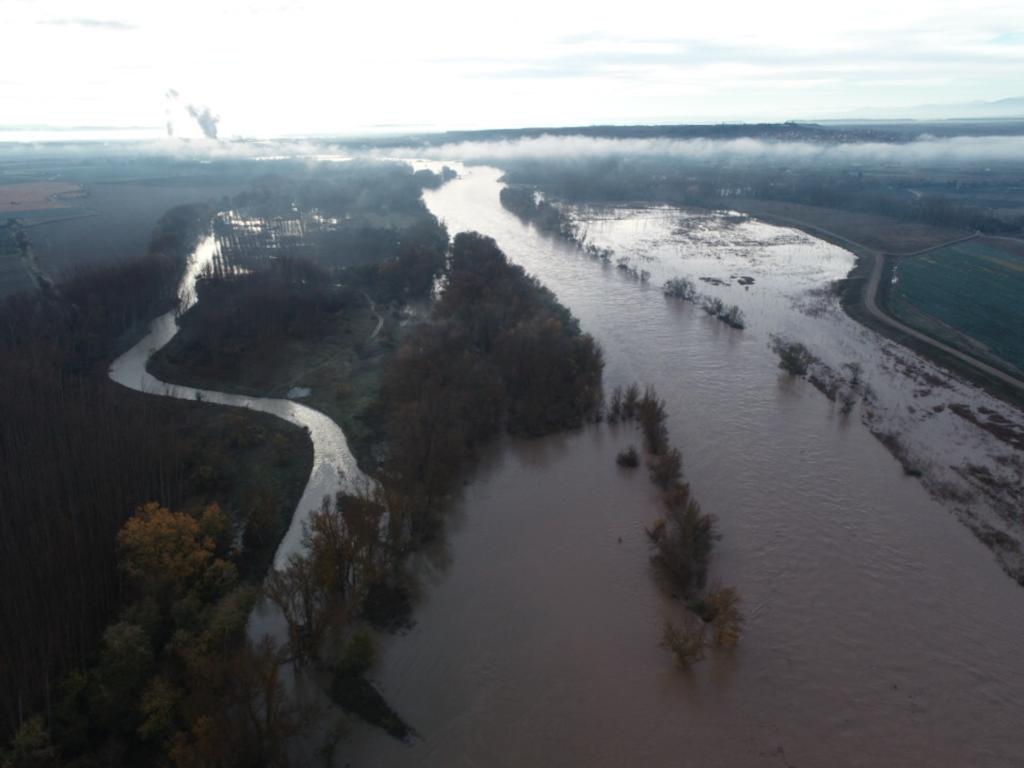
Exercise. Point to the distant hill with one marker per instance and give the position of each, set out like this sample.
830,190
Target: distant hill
972,110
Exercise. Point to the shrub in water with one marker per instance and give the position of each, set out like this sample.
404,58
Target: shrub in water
628,458
680,288
794,357
727,622
686,641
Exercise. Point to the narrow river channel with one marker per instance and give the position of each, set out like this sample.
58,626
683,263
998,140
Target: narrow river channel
333,462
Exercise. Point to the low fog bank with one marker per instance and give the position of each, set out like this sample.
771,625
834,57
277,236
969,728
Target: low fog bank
925,150
845,150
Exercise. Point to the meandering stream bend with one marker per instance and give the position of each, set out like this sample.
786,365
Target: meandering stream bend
333,463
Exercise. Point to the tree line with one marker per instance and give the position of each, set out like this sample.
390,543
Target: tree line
501,354
548,218
682,538
683,288
925,197
238,316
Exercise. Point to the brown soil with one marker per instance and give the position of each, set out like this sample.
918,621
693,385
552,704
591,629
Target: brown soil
36,195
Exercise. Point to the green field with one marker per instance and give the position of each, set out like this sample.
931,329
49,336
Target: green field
970,295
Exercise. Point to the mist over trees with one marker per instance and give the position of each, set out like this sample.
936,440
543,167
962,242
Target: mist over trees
360,223
951,194
362,190
524,203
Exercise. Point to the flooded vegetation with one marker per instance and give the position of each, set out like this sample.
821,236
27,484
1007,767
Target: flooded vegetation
798,490
902,398
682,537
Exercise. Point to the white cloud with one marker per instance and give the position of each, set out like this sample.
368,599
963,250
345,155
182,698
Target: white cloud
271,67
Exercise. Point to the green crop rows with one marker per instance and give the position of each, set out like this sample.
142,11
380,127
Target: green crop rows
970,295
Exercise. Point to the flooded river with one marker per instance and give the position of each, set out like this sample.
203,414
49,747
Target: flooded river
879,631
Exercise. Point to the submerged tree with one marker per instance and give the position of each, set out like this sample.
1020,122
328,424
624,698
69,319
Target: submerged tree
723,604
733,316
667,468
713,306
628,457
686,641
650,412
615,406
306,603
794,357
630,398
680,288
683,547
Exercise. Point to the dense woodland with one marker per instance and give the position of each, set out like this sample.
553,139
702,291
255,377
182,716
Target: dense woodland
76,457
501,354
296,300
174,680
79,454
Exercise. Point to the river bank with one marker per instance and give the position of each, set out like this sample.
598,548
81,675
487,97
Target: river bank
860,292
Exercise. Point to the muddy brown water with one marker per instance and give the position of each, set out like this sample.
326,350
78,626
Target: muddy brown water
879,631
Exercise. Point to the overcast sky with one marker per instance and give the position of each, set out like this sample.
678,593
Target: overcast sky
271,68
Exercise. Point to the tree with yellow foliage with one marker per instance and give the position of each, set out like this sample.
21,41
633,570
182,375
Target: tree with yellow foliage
163,553
727,622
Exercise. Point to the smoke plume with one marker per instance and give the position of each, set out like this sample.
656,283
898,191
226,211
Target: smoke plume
204,117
